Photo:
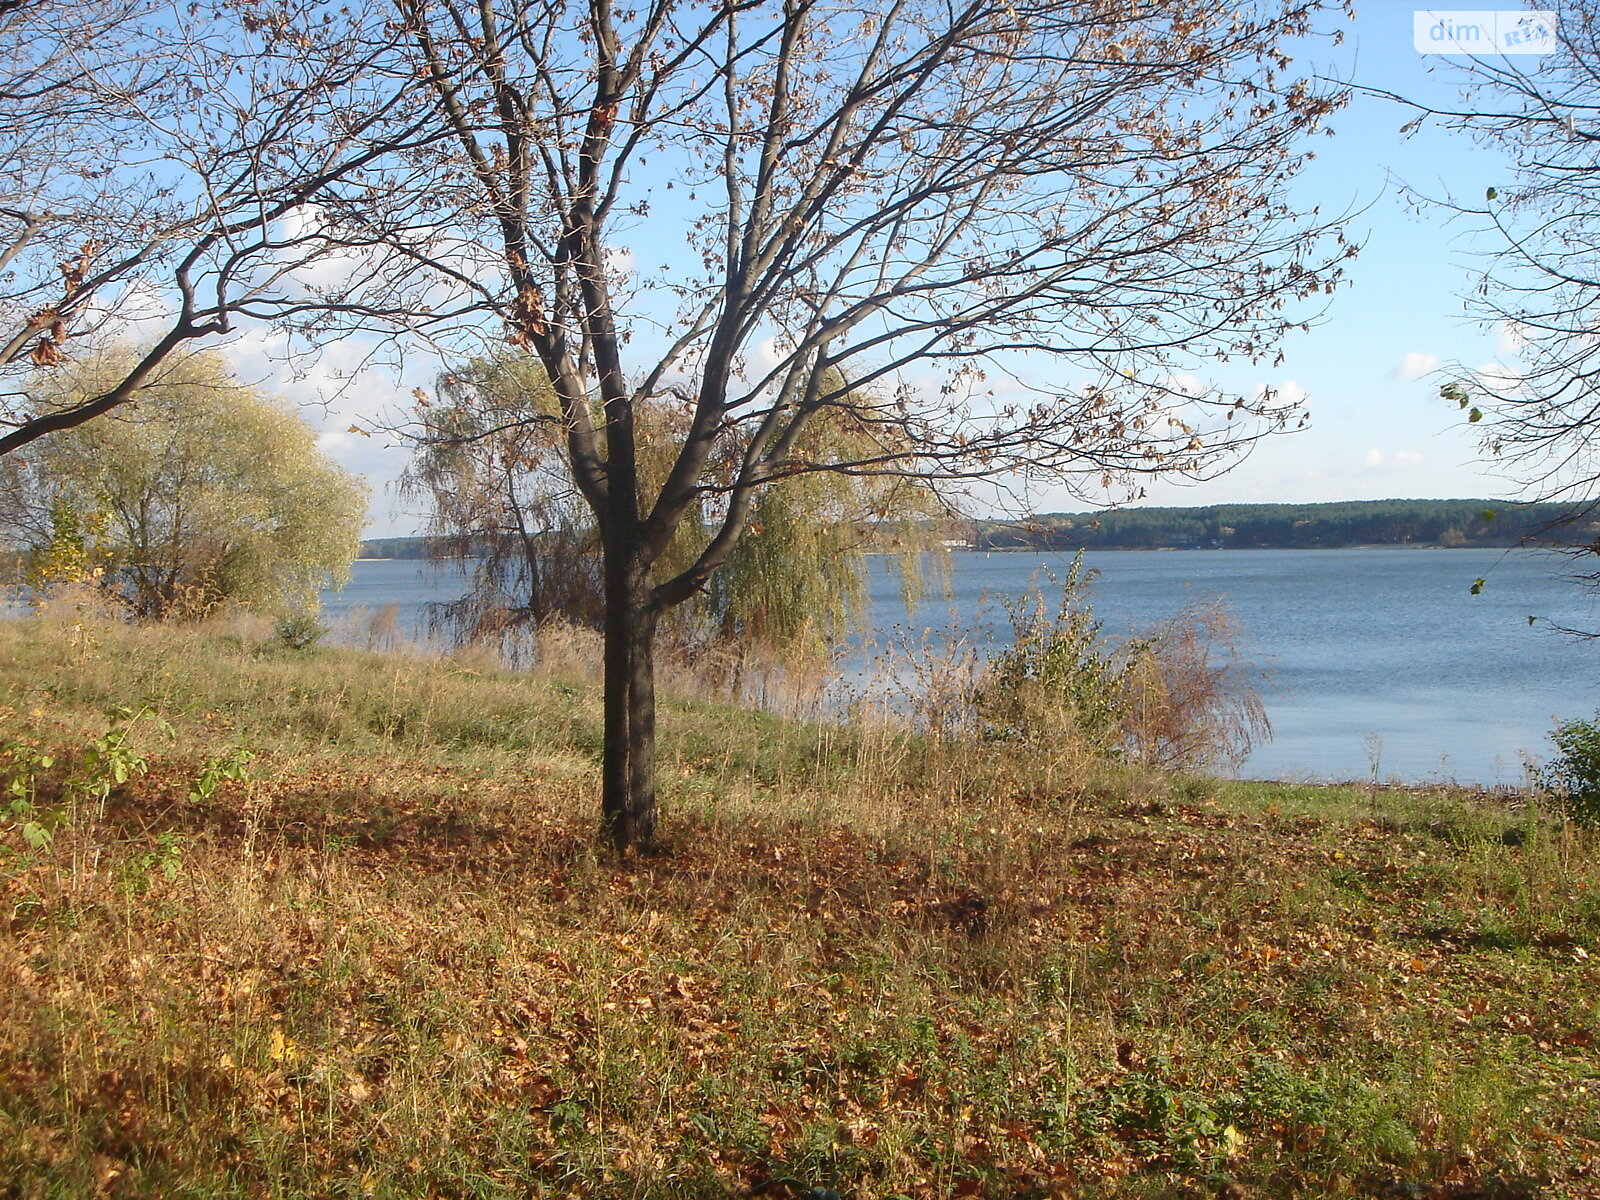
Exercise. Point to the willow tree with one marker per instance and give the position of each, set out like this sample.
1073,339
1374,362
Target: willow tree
488,461
206,492
989,234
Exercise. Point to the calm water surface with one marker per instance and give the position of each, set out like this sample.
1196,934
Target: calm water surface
1375,651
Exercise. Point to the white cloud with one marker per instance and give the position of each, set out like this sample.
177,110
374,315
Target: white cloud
1500,378
766,356
619,259
1415,365
1394,462
140,313
1186,385
1511,338
1290,392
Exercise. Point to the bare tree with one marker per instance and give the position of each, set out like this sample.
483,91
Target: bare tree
1539,228
156,167
991,234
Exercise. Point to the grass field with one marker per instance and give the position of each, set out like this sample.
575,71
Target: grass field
385,958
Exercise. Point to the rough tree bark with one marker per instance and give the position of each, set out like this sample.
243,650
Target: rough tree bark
628,798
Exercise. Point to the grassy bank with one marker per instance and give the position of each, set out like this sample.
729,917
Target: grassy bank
388,961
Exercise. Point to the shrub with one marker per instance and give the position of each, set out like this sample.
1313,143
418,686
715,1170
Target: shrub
299,631
1573,778
1192,699
1060,677
1181,697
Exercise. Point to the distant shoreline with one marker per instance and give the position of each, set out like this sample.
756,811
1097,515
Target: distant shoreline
1341,525
1114,550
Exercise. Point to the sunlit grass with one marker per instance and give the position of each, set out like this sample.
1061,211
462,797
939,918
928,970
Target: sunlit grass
394,964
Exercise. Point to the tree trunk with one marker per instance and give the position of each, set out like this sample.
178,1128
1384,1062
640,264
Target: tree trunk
628,788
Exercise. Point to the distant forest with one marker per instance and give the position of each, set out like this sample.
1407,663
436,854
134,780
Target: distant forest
395,547
1449,523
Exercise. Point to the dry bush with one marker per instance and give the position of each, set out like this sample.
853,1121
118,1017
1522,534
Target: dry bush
1179,697
382,632
740,670
237,624
74,601
478,657
927,685
565,650
1192,699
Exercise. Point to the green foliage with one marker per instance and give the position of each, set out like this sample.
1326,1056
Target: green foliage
107,762
232,764
111,760
1180,697
487,459
793,585
21,768
163,857
206,492
1573,778
1059,676
43,794
299,630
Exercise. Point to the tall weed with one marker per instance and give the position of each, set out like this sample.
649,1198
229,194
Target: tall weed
1060,677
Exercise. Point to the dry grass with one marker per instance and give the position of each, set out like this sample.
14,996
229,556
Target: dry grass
392,964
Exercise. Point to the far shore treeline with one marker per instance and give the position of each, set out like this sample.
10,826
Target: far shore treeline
1447,523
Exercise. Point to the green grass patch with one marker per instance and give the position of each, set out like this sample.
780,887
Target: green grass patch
386,957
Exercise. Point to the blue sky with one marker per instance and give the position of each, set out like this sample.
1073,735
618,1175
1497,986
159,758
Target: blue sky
1376,429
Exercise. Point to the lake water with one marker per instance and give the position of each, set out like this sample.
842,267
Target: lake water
1372,652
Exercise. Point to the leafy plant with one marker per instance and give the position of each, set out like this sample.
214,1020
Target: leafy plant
110,760
106,763
299,631
1573,778
162,857
232,765
1060,675
34,821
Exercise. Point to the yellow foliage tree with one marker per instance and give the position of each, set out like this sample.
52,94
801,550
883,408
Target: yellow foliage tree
206,492
488,460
